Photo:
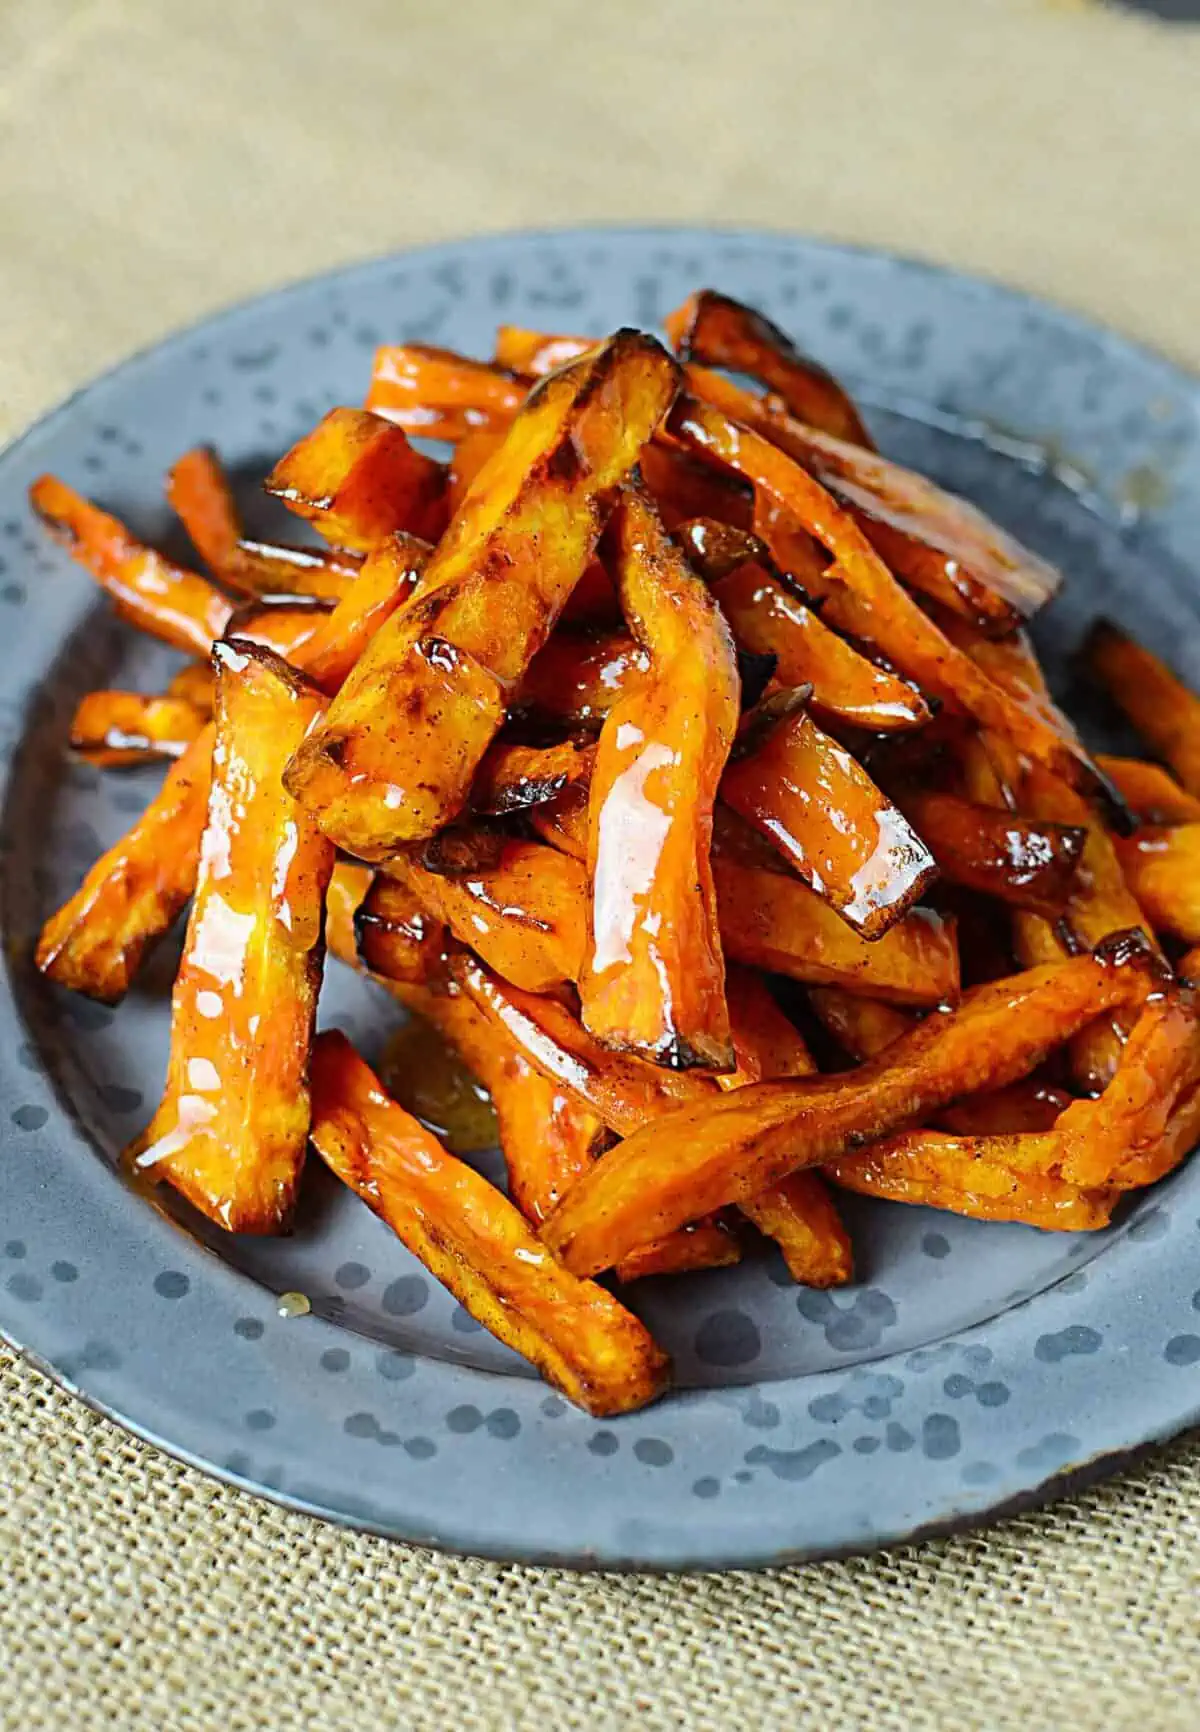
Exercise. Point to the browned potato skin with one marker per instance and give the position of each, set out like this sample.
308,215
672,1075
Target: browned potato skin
653,981
117,729
439,394
956,1174
563,822
276,568
476,1243
1162,709
356,478
577,677
1162,869
513,777
395,935
178,606
721,332
398,750
773,921
1022,861
1151,793
703,1157
231,1130
199,493
818,806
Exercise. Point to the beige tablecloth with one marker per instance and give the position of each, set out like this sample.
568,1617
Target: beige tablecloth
159,158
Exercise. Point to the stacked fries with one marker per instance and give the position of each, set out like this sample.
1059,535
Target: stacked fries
660,686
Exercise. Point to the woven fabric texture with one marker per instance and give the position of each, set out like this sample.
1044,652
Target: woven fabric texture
159,159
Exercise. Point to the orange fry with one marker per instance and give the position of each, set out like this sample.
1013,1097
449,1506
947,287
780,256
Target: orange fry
121,728
439,394
654,976
1029,863
470,454
356,478
513,777
716,1152
1162,709
276,568
231,1130
578,676
194,684
395,935
199,493
476,1243
1151,793
953,1173
180,607
1162,870
400,745
831,823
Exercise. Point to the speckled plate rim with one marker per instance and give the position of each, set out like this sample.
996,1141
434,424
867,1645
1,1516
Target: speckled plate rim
708,1479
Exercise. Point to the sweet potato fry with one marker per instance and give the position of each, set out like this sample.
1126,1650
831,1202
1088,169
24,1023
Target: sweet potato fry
199,493
1028,863
282,624
1151,793
178,606
683,489
773,921
578,676
654,977
831,823
704,1156
386,581
1162,870
513,777
766,1043
1154,1163
1162,709
476,1243
862,1027
533,354
470,454
349,884
717,330
400,745
356,478
194,684
526,915
115,729
563,822
231,1130
439,394
277,568
952,1173
395,935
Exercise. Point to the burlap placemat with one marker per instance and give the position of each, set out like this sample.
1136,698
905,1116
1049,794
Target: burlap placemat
157,159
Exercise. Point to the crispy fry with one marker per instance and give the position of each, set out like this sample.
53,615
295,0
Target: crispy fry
178,606
439,394
721,332
513,777
831,823
385,583
775,922
199,493
401,744
716,1152
1162,869
1162,709
122,728
1151,793
356,478
476,1243
231,1130
654,976
947,1172
1154,1163
281,624
526,915
578,676
276,568
1020,860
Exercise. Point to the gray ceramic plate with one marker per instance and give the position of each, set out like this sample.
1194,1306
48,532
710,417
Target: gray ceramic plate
970,1367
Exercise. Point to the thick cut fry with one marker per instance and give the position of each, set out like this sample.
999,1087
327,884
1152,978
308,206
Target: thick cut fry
439,394
386,581
775,922
654,977
683,489
1028,863
398,750
178,606
766,1043
132,895
578,676
861,596
126,728
198,491
831,823
97,939
952,1173
1151,793
705,1156
721,332
526,915
476,1243
1162,709
514,777
356,478
276,568
231,1130
1162,870
395,935
470,455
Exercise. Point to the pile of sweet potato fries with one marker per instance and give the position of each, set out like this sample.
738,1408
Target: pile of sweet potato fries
661,686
